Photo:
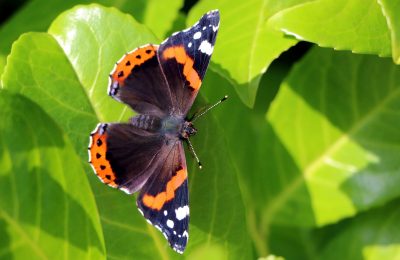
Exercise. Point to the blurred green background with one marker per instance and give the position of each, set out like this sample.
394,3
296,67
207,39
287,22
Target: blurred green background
302,161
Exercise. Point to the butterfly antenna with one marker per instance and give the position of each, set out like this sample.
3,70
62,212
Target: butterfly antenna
194,153
209,108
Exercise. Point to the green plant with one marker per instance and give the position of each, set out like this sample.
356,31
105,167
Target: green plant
309,173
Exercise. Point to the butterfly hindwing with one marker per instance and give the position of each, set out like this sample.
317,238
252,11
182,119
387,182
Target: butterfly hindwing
124,156
164,199
184,58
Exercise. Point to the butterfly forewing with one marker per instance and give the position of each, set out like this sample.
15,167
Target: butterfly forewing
184,58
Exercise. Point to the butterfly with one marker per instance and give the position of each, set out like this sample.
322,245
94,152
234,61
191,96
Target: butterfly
146,154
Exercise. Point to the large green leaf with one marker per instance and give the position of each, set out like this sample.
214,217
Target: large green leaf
47,210
356,25
39,69
372,235
263,165
217,215
391,8
337,115
298,168
37,15
92,36
246,45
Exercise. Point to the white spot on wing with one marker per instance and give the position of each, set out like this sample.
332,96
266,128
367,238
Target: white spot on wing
185,234
182,212
215,28
141,212
204,28
206,47
197,35
190,44
170,223
124,189
165,212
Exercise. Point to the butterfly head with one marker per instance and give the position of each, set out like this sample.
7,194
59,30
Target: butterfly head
188,130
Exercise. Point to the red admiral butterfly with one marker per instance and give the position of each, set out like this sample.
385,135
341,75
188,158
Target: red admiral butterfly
146,154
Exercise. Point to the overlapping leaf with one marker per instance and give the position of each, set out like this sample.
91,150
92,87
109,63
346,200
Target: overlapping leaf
356,25
39,69
246,45
337,115
47,209
390,9
37,15
217,218
314,161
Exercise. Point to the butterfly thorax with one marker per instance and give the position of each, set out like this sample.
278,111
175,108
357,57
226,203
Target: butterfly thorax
177,127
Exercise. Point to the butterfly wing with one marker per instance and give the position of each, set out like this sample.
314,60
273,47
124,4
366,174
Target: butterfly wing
124,156
164,198
137,80
184,58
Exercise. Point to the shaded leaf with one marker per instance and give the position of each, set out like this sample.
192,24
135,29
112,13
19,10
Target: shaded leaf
390,9
372,235
336,115
263,165
356,25
246,44
49,211
39,69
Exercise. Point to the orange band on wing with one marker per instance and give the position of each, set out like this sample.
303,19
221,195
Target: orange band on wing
102,167
158,201
137,57
181,57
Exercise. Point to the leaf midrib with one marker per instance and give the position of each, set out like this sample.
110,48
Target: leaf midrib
281,198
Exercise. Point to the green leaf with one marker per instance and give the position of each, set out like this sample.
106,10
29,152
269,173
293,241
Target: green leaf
283,194
372,235
390,8
37,15
2,64
246,44
47,210
160,15
356,25
337,115
217,214
39,69
94,38
262,164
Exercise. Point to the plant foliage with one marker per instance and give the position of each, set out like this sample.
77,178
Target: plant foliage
301,162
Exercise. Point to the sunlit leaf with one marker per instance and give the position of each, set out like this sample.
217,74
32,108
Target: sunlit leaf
39,69
94,38
372,235
246,45
337,115
390,9
47,210
356,25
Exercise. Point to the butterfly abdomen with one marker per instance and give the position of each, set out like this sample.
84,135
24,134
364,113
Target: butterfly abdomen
146,122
